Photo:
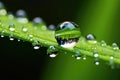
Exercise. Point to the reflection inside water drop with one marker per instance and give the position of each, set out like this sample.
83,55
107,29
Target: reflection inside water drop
67,34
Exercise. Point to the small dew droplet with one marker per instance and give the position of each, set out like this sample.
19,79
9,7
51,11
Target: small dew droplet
115,46
51,27
10,16
20,13
30,37
77,55
2,34
37,20
95,54
91,39
24,29
84,57
1,5
52,55
2,9
52,47
18,40
36,44
111,62
103,43
97,62
11,37
36,47
12,27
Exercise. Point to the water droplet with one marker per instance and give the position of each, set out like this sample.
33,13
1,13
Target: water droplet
10,16
2,9
52,47
12,27
36,47
11,37
21,13
115,46
95,54
44,28
1,5
78,55
24,29
30,36
18,40
103,43
67,34
37,20
51,27
97,62
52,51
84,57
111,62
36,44
22,20
2,34
52,55
21,16
91,39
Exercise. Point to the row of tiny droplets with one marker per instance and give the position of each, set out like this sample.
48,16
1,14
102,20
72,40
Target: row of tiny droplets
21,17
91,39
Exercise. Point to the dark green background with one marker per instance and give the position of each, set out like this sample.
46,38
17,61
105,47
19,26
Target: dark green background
19,61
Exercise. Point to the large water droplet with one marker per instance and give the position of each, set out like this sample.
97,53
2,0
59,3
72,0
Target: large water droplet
115,46
36,44
91,39
103,43
12,27
67,34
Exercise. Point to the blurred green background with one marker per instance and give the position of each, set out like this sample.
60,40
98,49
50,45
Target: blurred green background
19,61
